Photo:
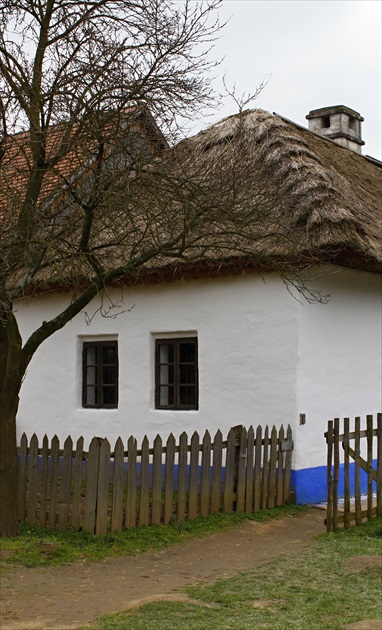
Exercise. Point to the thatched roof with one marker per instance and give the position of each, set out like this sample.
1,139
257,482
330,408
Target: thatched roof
285,198
326,195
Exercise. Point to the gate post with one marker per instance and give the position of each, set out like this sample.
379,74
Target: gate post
329,507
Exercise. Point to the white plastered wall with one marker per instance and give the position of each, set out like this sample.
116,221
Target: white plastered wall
339,358
247,336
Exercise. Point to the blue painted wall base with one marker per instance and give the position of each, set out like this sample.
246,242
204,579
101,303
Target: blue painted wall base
310,484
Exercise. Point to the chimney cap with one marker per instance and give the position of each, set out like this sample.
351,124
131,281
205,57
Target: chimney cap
334,109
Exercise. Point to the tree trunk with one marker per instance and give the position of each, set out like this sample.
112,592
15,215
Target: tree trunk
10,385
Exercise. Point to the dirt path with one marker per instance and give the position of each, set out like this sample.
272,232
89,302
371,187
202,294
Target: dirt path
69,596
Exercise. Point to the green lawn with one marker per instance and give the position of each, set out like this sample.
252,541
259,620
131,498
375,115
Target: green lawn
316,590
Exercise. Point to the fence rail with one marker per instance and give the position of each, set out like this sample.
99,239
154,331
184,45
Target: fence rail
344,510
100,489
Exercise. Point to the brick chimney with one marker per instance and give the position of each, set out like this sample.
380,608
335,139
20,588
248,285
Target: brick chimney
339,123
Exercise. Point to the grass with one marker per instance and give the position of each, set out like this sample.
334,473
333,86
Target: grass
316,590
40,547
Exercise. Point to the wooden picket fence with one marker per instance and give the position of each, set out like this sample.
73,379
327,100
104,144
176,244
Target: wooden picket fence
98,489
341,509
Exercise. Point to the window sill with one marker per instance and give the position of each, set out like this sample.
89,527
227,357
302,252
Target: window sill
97,409
154,409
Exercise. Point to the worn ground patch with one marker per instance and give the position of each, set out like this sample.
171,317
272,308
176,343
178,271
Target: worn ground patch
265,603
360,563
367,624
69,596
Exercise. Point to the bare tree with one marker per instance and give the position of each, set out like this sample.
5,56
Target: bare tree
77,83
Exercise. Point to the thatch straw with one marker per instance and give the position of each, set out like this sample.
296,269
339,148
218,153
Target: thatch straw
254,192
329,196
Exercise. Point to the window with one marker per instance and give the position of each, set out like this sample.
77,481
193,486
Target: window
176,373
100,374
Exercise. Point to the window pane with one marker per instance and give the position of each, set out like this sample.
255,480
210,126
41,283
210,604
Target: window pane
91,355
187,395
186,374
108,375
109,354
91,398
166,353
166,395
91,376
166,374
187,352
164,377
109,395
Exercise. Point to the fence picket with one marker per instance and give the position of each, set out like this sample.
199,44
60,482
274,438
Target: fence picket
249,471
272,469
329,440
257,472
44,481
241,470
336,460
264,502
53,486
63,508
357,471
379,464
288,466
33,480
22,489
169,479
229,471
91,486
369,429
216,472
193,483
205,475
103,488
131,485
346,474
77,478
280,468
156,511
182,477
117,508
144,484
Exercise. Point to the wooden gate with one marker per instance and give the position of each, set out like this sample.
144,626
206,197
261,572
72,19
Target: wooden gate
349,501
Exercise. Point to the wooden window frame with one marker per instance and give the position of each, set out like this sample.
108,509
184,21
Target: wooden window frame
176,406
99,382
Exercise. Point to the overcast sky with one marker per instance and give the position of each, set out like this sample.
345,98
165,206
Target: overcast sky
316,53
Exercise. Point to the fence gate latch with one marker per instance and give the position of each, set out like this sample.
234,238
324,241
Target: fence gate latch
286,445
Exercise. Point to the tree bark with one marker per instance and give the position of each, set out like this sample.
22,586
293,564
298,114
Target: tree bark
10,385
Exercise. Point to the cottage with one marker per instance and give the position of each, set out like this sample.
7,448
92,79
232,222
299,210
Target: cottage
224,339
